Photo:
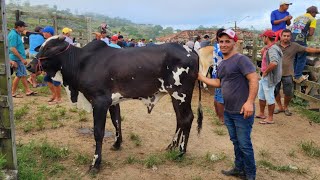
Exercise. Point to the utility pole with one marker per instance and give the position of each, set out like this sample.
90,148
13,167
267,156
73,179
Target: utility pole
7,128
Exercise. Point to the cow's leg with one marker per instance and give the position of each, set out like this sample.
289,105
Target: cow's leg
184,121
100,108
116,120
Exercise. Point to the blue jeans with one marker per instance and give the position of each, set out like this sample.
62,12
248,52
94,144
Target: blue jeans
299,64
49,79
239,132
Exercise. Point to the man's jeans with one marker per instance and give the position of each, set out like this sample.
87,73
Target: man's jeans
299,63
240,131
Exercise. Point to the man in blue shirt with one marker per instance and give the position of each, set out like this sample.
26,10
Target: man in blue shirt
114,40
280,18
35,40
18,55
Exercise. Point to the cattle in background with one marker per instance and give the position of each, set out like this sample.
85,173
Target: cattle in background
107,76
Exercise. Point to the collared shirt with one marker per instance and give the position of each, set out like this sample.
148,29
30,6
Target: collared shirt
289,54
14,40
301,26
277,15
114,45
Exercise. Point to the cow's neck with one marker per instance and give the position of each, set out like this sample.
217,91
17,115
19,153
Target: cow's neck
70,61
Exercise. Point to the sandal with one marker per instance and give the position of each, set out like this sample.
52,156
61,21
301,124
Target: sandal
260,117
277,111
287,112
54,102
32,93
50,100
266,122
17,96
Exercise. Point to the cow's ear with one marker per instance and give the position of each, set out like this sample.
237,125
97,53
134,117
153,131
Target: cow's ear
61,38
37,48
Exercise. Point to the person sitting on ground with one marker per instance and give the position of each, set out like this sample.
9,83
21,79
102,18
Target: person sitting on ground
54,86
18,55
271,69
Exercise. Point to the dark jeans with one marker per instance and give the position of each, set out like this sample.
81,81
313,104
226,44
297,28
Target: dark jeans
299,63
240,131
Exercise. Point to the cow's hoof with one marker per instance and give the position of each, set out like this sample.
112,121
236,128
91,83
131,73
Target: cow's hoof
115,147
93,170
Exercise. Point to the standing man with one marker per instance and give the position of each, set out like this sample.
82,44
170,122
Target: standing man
271,69
18,55
54,86
35,40
303,28
290,51
66,32
114,40
239,82
280,18
197,44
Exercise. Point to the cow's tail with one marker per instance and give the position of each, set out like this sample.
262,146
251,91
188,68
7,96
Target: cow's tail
200,112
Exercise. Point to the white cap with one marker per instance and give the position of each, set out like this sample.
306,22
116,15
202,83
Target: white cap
282,2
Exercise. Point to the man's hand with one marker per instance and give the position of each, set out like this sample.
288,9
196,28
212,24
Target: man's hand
24,61
288,18
13,64
264,74
247,110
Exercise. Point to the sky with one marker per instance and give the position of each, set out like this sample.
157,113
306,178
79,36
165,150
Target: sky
186,14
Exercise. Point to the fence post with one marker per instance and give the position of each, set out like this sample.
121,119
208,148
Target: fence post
55,23
89,29
7,129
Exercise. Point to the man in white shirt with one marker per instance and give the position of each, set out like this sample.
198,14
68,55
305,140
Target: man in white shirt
197,44
67,33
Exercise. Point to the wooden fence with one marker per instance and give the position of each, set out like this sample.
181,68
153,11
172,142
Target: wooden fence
307,90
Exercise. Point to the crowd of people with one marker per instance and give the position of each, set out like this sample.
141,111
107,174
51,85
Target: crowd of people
233,74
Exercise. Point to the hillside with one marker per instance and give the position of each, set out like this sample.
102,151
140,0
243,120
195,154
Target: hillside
43,15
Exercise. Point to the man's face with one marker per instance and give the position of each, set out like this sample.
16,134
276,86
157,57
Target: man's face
264,39
226,44
313,14
46,35
20,29
285,7
285,37
103,35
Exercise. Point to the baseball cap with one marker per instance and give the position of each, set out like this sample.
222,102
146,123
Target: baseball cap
230,33
66,30
48,29
114,38
38,29
282,2
312,9
20,23
268,33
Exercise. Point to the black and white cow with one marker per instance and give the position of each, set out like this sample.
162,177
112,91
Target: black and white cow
107,76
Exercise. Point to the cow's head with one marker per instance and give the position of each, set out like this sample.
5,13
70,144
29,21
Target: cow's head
48,54
206,56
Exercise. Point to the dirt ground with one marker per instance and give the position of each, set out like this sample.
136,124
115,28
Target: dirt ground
277,143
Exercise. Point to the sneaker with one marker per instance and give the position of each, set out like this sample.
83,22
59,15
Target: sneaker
301,79
234,172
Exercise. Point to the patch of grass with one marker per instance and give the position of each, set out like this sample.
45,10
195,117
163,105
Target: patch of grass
20,112
56,169
122,118
3,162
135,138
217,122
292,153
28,127
43,108
296,101
74,110
40,123
53,115
215,157
219,131
131,160
62,111
152,160
196,178
285,168
82,159
52,152
56,124
44,90
310,149
265,154
173,156
83,116
300,105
